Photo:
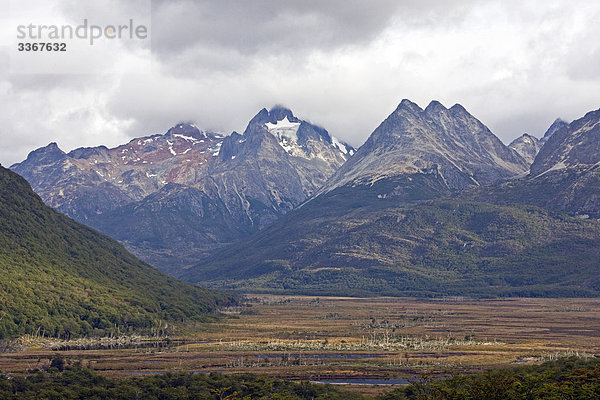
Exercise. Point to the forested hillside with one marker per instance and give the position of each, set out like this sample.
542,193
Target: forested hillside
61,278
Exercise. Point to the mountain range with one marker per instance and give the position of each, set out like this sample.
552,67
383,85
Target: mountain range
565,175
432,203
429,205
170,198
529,146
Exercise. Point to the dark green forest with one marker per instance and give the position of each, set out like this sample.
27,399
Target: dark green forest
569,378
77,383
572,378
60,278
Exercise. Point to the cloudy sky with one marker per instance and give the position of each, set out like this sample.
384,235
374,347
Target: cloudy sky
343,64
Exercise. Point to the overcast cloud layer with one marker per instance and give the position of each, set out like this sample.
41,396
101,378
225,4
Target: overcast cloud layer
343,64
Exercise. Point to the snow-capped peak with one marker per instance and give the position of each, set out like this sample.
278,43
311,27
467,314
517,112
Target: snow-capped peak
286,132
284,128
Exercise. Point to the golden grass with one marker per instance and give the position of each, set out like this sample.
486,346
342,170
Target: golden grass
303,337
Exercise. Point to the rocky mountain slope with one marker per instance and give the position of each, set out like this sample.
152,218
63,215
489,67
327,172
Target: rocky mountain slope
277,163
449,144
565,175
556,125
90,181
170,198
61,278
399,219
527,146
575,146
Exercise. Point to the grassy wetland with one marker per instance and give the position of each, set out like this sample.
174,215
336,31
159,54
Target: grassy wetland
356,341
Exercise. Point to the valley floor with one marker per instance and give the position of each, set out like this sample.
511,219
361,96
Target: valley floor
347,340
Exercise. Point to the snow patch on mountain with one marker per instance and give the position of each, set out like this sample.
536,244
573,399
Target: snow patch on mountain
339,145
188,138
284,130
216,149
286,133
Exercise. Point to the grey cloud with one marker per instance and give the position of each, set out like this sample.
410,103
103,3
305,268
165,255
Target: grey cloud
586,67
582,61
105,11
192,38
218,62
256,26
259,27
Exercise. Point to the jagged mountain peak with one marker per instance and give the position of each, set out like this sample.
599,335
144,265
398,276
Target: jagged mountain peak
46,154
556,125
272,116
51,147
458,108
526,138
89,181
439,113
408,105
527,146
187,130
408,118
279,122
451,144
408,122
298,138
435,106
574,146
279,112
565,175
